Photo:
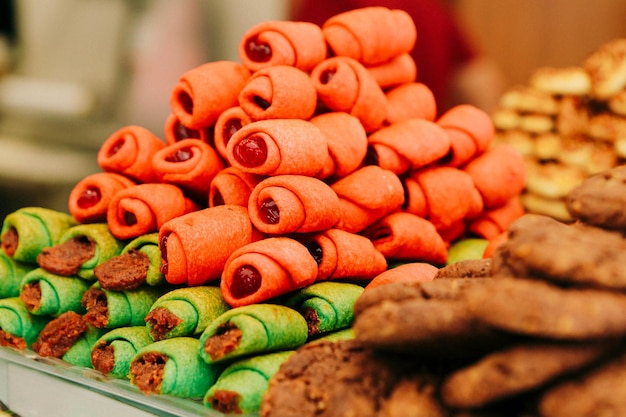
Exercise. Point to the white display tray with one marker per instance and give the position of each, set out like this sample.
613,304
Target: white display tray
33,386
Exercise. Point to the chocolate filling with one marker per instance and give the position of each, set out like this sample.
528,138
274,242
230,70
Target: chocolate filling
224,341
162,321
10,240
95,301
124,272
9,340
31,295
103,358
147,371
60,334
226,402
66,258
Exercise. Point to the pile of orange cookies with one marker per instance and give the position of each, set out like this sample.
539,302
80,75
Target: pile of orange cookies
569,123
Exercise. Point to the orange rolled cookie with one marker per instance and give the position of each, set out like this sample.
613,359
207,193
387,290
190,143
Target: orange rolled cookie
90,198
205,91
233,187
286,204
194,247
346,140
499,174
472,122
407,237
371,35
340,255
189,164
367,195
298,44
228,122
494,243
497,220
144,208
277,147
411,272
408,145
343,84
443,195
174,131
279,92
128,151
410,101
266,269
397,71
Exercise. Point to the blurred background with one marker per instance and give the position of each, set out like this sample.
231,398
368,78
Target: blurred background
74,71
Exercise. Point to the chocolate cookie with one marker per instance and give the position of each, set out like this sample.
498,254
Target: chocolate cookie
599,392
540,309
600,199
340,378
428,318
519,369
542,247
467,268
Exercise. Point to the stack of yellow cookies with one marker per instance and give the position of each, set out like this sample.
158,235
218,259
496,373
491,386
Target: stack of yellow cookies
568,123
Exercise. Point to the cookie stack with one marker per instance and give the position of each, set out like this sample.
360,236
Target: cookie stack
541,334
569,123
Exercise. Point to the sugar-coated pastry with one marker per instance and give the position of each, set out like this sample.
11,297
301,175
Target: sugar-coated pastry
172,367
80,249
19,328
606,67
251,330
112,352
205,91
45,293
185,311
28,230
241,385
568,81
298,44
128,151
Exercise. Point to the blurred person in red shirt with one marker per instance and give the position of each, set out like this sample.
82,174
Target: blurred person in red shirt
448,61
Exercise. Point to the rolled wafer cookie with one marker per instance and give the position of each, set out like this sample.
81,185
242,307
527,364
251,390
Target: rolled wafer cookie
112,352
49,294
266,269
19,328
285,204
144,208
370,35
11,274
232,186
241,385
90,198
493,222
298,44
128,151
172,367
395,72
174,131
185,311
410,100
28,230
279,92
195,246
228,122
204,92
251,330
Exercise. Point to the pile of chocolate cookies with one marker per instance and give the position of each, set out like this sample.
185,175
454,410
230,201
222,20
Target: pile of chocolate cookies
538,329
569,123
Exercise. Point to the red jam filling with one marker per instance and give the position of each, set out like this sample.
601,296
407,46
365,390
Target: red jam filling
116,147
246,281
251,152
230,128
186,101
181,155
89,198
129,218
218,199
269,211
315,250
327,75
258,51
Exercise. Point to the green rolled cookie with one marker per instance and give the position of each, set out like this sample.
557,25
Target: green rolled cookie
173,367
149,245
327,306
107,309
80,249
45,293
19,328
251,330
80,352
11,274
185,311
113,351
343,334
240,387
28,230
